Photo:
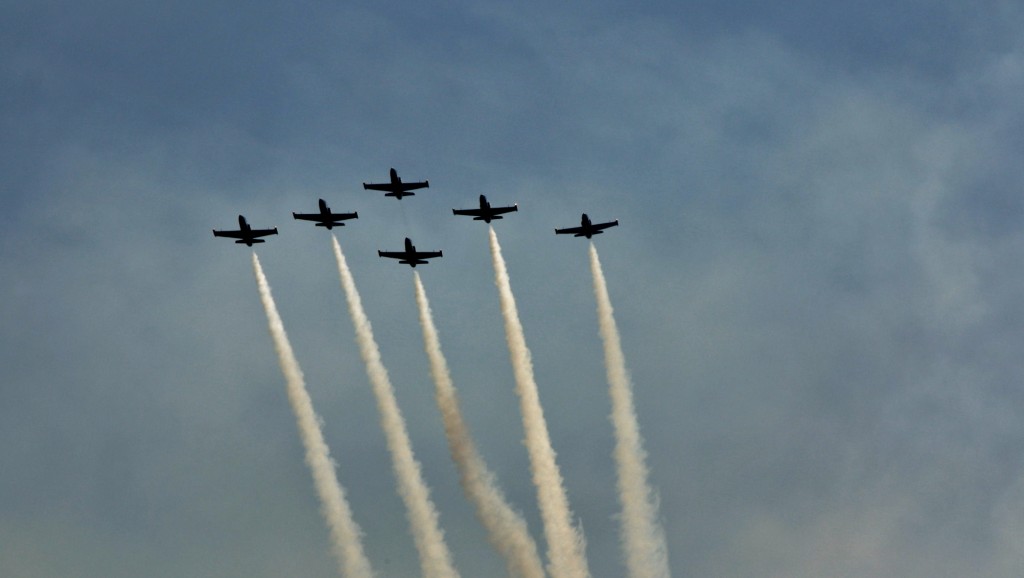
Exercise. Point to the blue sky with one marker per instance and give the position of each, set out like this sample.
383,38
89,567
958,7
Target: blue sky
816,276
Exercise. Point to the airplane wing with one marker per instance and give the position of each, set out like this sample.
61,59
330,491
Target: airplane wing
416,255
414,186
503,210
481,213
492,212
570,231
425,254
322,217
248,237
263,232
594,229
394,187
410,257
245,234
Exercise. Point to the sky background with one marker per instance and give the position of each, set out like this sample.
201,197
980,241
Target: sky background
817,276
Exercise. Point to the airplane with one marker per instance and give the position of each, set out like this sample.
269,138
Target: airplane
485,213
586,228
245,233
410,256
396,188
325,218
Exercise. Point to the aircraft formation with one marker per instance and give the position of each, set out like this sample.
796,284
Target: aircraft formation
397,188
641,534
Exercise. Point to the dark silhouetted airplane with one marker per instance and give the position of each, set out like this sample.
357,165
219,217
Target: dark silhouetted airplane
486,212
245,233
410,256
396,188
586,228
325,218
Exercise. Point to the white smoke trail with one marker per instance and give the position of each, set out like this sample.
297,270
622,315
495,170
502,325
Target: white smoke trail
506,529
566,545
345,533
643,540
435,560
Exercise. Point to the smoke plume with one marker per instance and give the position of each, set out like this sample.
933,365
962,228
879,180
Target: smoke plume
566,546
435,560
506,529
345,534
643,540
